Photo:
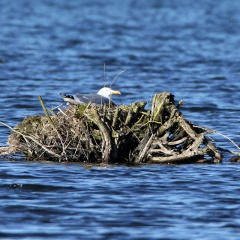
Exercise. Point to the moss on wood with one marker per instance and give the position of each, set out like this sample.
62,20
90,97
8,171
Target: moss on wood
114,134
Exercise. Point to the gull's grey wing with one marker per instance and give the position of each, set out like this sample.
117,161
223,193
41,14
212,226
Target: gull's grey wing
93,98
84,98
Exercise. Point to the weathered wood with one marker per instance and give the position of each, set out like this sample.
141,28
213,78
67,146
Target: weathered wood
189,153
144,151
5,150
93,115
114,134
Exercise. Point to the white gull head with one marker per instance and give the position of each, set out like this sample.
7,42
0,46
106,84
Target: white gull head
107,92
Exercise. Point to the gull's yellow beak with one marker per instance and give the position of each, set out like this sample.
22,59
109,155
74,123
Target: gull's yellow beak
115,92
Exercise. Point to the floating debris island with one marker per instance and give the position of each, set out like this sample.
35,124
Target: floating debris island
114,134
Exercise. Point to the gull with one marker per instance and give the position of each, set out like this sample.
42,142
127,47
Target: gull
104,96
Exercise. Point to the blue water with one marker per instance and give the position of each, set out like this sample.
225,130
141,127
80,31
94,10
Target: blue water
188,48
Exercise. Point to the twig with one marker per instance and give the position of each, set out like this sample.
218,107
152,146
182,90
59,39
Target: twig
33,139
5,150
52,124
104,74
46,111
107,141
57,107
228,139
117,77
60,110
143,153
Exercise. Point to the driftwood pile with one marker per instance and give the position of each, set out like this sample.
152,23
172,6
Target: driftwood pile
114,134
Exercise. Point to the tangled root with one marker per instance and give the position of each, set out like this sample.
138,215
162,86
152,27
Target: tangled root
114,134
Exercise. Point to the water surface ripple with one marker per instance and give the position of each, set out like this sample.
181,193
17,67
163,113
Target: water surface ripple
188,48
